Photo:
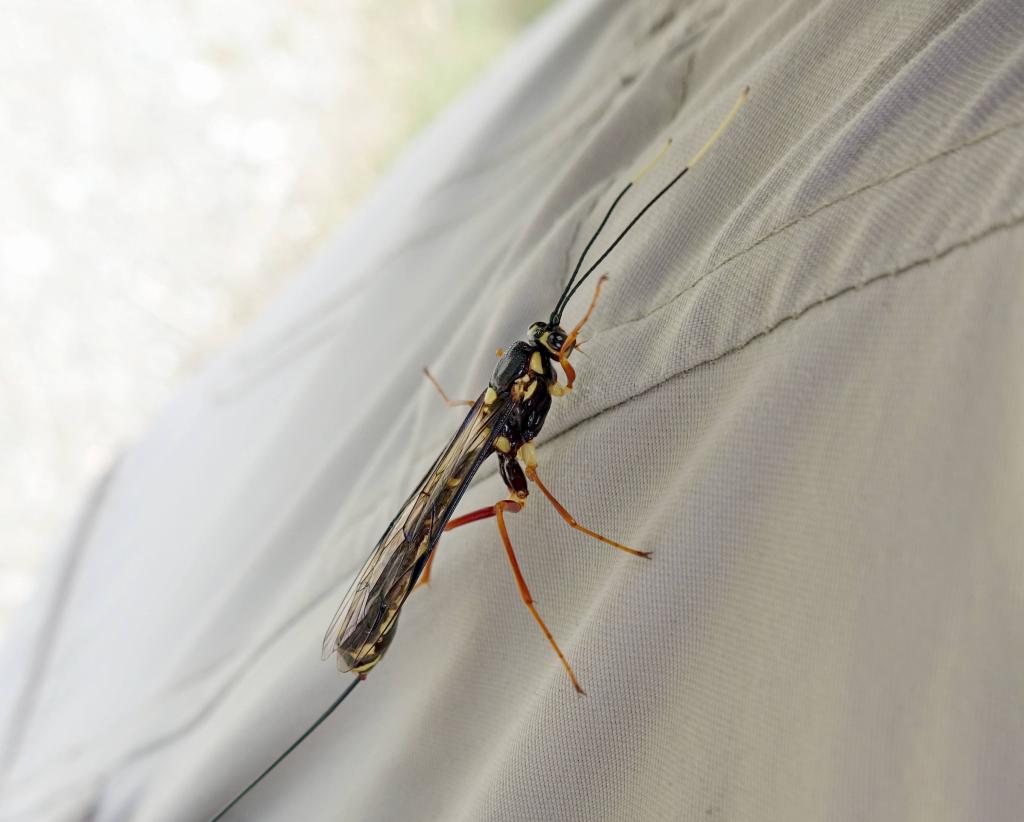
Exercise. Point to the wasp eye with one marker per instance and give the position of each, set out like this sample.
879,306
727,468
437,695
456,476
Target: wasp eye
556,340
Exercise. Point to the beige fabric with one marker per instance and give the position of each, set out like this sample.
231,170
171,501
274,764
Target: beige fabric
803,391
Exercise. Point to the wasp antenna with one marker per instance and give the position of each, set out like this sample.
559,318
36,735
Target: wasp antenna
556,315
568,294
718,131
654,162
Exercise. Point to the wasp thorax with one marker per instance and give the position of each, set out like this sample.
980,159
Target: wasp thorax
550,337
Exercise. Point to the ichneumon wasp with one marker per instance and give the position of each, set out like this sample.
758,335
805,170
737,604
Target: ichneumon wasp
504,420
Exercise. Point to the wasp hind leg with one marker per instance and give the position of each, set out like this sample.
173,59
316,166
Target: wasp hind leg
450,403
465,519
524,591
529,456
514,479
512,473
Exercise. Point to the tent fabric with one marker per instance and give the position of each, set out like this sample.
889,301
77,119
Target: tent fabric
802,390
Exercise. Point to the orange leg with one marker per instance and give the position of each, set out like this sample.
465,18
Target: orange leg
498,510
465,519
531,472
524,592
563,354
440,390
425,576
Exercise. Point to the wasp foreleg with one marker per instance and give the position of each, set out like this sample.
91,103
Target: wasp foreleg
440,390
567,346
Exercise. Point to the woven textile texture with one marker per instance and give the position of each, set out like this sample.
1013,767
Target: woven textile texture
802,390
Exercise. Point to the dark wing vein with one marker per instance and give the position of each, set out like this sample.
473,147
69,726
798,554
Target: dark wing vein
379,590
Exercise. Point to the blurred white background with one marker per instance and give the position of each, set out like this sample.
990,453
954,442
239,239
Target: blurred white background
165,167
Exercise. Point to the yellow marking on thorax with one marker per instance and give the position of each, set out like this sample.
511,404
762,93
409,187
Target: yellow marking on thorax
490,395
524,387
528,454
503,445
536,363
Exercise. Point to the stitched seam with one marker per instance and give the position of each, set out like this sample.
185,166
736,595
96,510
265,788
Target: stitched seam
995,228
886,275
789,318
485,473
970,143
488,472
879,277
296,340
355,287
876,278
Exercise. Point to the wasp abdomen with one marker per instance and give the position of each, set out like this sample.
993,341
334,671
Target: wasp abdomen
512,474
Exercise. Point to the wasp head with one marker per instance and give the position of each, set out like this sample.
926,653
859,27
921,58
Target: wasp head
549,336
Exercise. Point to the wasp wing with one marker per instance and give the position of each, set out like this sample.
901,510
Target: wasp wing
364,623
